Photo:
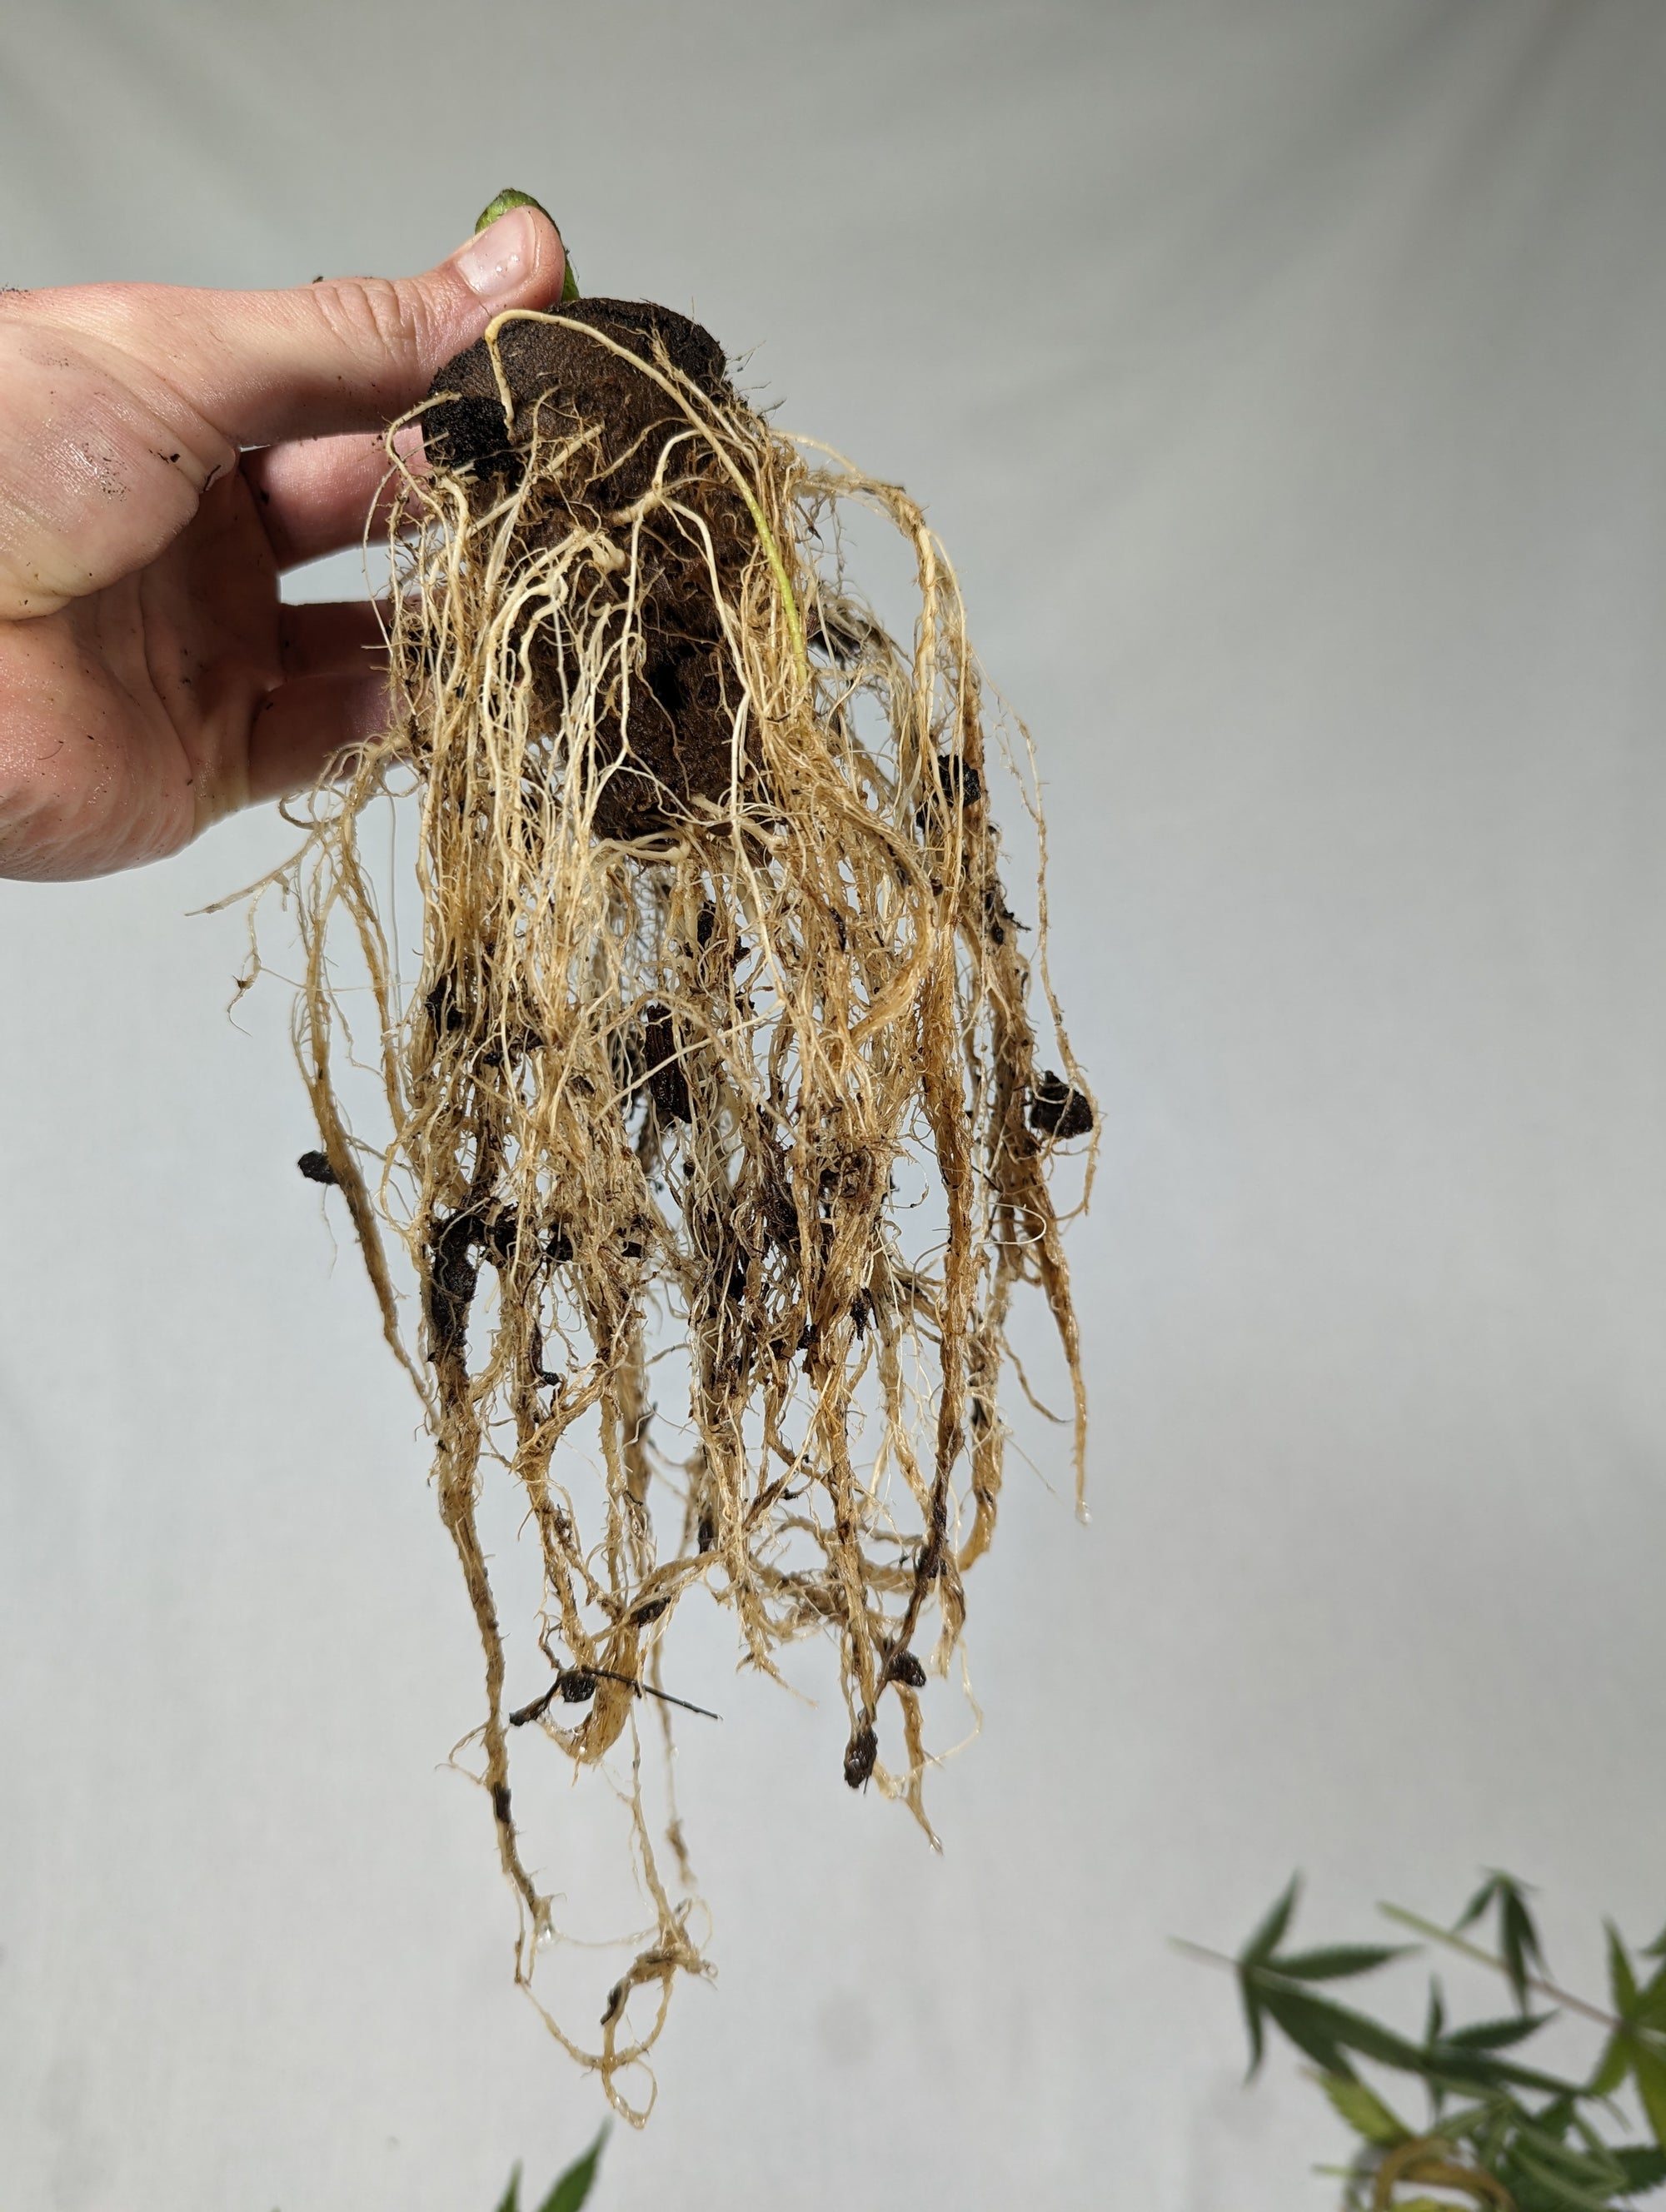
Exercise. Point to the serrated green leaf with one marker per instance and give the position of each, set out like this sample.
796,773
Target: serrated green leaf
1261,1944
512,2194
1649,2072
573,2186
1651,1998
1594,2166
1434,2022
1479,1903
1499,2034
1270,1934
1611,2066
1592,2141
1489,2143
1466,2119
1623,1981
1557,2188
1364,2111
1643,2166
1324,2029
1480,2069
1518,1940
1307,2023
1253,2024
1339,1960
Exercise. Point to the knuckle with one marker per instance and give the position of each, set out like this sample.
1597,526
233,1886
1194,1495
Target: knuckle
375,319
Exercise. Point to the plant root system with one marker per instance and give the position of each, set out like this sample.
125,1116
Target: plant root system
722,1039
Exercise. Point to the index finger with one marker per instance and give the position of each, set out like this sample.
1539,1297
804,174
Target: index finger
320,496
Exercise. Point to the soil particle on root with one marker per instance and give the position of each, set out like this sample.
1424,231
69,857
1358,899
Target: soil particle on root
861,1755
718,977
1057,1110
666,1082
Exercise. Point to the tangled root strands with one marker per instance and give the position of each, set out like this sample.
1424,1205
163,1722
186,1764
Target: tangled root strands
716,959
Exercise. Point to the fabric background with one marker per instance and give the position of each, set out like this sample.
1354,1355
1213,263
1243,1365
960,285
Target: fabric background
1286,381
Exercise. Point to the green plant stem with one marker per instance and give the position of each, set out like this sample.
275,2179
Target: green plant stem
1453,1942
772,554
1201,1951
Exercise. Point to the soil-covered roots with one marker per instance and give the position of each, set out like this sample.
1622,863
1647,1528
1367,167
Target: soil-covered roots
721,1052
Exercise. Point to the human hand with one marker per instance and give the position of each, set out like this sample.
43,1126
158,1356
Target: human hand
151,679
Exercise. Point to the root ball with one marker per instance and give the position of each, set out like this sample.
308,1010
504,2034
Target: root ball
715,1104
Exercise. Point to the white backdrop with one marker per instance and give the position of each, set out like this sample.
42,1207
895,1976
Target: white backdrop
1287,380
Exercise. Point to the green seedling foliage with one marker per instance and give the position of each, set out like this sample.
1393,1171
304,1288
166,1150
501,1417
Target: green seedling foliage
1340,1961
1518,1937
1498,2132
509,197
1637,2049
1364,2111
572,2185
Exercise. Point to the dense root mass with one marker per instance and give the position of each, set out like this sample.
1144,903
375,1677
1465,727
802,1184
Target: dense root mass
722,1040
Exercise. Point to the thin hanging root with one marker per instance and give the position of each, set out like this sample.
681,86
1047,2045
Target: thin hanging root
736,1038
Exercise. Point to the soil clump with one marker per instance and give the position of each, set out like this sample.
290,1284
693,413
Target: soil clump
625,439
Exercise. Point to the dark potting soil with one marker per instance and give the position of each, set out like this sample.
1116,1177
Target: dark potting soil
1058,1111
684,699
566,380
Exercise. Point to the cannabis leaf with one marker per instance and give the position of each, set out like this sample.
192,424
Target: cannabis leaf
571,2187
1518,1939
1637,2048
1498,2132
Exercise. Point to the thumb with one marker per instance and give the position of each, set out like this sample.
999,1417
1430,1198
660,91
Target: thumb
346,353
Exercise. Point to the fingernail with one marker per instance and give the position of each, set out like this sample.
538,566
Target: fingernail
501,259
